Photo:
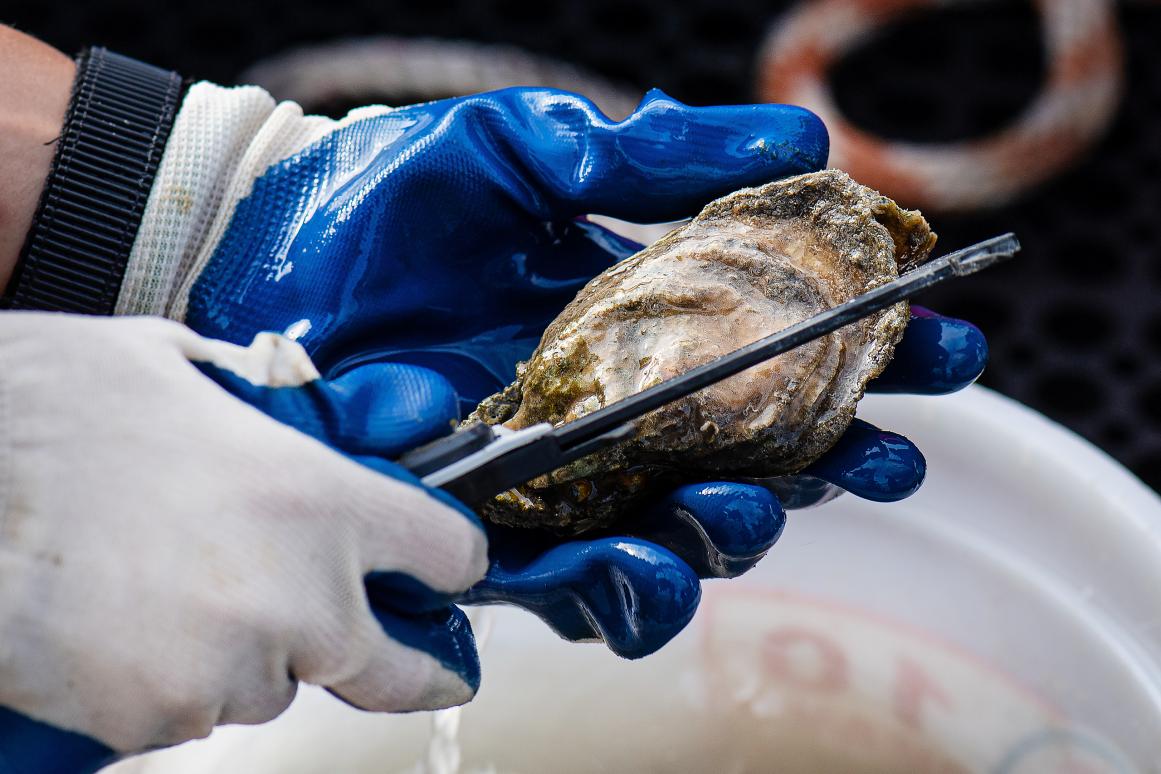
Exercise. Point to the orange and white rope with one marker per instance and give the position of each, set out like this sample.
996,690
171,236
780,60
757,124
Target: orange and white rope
1077,103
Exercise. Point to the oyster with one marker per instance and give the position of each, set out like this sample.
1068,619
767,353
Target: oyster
748,265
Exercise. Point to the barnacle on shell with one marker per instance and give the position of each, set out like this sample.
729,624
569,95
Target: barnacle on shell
748,265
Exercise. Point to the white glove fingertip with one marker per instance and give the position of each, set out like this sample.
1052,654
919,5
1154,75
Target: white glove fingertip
398,678
411,530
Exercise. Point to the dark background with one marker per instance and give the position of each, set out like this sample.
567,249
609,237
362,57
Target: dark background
1074,326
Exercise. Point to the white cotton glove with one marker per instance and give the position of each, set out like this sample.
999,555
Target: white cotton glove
172,558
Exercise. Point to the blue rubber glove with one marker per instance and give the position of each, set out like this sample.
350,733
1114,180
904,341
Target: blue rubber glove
447,235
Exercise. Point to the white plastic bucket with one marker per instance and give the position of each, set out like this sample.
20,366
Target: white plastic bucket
1005,619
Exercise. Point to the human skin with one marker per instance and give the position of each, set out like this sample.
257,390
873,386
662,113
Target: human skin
34,94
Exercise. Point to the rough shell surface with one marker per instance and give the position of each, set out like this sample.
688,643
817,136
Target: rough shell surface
748,265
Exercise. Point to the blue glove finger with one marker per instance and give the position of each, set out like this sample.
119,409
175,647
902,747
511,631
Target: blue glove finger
663,162
380,408
720,529
937,355
28,746
633,595
871,463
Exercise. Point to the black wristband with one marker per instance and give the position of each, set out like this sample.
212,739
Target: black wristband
114,133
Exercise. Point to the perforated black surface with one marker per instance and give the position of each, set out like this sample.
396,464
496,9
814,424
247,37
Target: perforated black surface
1074,325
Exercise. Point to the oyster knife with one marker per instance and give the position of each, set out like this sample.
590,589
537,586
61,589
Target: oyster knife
481,461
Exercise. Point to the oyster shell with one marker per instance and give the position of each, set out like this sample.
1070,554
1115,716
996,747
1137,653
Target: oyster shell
748,265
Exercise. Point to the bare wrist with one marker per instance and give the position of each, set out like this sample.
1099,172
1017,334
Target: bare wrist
34,95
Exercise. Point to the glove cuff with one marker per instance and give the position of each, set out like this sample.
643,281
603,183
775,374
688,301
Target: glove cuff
222,141
115,130
211,135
